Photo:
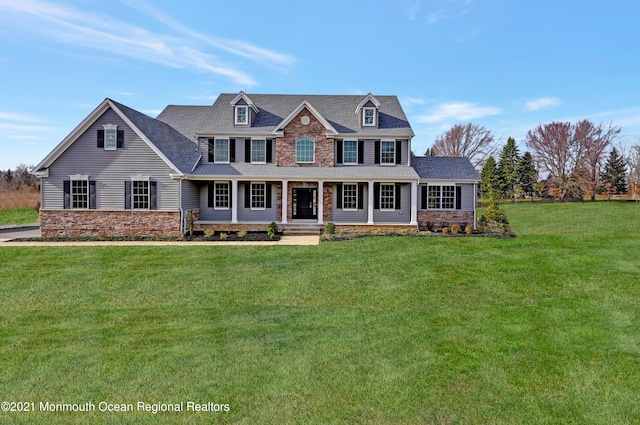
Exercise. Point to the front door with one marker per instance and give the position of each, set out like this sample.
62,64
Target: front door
304,203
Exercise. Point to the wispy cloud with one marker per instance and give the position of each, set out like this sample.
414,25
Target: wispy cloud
80,29
408,101
434,17
543,102
461,111
10,116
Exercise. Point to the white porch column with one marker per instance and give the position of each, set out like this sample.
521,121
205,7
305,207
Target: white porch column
320,202
285,201
234,201
370,205
414,204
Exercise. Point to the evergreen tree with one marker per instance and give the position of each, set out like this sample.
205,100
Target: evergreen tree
615,172
488,177
430,152
527,174
508,178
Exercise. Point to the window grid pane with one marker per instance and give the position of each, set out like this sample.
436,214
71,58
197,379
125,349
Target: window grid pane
350,152
387,196
368,116
258,195
349,197
222,195
305,151
434,197
110,140
258,151
221,150
448,197
80,194
387,152
241,115
140,193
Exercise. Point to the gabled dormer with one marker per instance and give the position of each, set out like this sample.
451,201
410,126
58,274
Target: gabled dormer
244,110
367,110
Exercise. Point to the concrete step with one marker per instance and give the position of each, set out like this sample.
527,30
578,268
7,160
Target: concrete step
302,229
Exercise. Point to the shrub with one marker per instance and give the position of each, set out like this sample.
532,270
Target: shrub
209,233
455,229
272,230
468,229
330,228
445,230
223,236
242,233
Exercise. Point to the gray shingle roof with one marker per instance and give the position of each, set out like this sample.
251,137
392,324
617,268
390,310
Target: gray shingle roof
444,168
339,110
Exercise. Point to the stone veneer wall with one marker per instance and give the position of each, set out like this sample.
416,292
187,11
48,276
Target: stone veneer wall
373,228
295,130
109,223
439,219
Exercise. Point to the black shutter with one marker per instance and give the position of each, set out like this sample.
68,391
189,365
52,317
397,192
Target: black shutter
247,150
360,151
101,138
247,195
269,151
423,204
211,147
127,194
376,196
458,197
120,139
360,196
398,151
153,195
339,195
398,190
232,150
377,159
92,194
66,187
210,195
230,194
268,194
339,147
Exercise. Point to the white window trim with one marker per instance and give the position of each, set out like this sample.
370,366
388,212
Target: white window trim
110,127
393,157
140,178
393,197
441,186
314,152
364,115
215,199
215,143
235,115
265,151
343,151
356,189
251,196
78,177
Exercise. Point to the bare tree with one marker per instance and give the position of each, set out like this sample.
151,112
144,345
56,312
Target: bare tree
633,162
469,140
593,140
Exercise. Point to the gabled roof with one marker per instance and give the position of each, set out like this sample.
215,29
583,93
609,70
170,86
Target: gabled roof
330,130
444,168
368,98
242,95
178,152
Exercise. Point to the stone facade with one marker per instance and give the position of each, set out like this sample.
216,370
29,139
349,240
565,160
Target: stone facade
75,223
228,227
296,130
438,219
377,228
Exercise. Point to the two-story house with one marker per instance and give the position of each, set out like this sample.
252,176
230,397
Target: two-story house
246,161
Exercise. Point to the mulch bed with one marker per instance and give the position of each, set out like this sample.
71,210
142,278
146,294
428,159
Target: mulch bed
199,237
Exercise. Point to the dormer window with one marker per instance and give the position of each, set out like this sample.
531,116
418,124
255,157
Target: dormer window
369,117
242,113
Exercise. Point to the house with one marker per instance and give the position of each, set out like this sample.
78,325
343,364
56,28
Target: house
246,161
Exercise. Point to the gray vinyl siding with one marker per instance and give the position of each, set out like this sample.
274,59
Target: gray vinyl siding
109,169
265,216
403,215
359,216
190,195
211,214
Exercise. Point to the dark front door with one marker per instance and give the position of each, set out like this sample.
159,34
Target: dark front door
304,203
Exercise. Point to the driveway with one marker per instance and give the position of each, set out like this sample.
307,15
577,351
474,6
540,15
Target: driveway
25,231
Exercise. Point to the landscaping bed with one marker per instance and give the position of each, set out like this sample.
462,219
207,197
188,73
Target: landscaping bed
196,237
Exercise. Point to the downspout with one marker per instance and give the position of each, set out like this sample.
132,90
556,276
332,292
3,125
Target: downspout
475,203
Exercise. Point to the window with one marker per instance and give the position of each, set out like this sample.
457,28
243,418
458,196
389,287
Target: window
305,151
434,197
350,197
441,197
110,138
350,152
221,191
140,194
369,117
258,196
388,152
241,115
80,194
448,197
258,151
221,150
387,196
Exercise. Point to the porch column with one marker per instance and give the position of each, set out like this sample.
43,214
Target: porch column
370,204
234,201
285,201
414,204
320,202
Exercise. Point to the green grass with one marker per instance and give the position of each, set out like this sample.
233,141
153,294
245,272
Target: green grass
18,216
541,329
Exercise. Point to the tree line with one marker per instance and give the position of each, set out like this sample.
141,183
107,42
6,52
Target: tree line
579,160
20,176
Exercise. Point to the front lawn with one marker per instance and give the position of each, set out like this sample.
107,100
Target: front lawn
18,216
539,329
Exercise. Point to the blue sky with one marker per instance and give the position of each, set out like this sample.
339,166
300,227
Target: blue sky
506,65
